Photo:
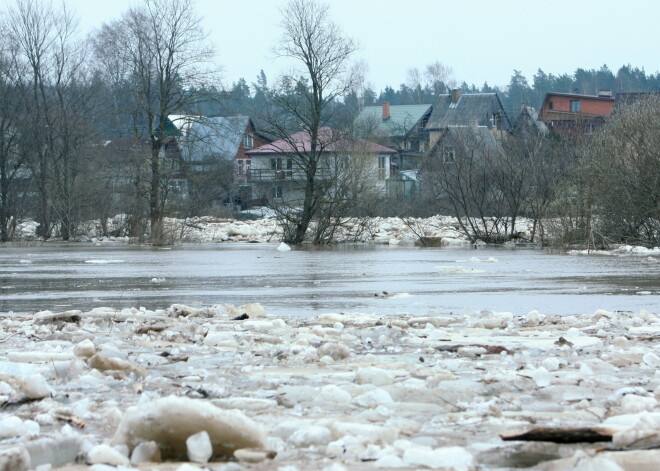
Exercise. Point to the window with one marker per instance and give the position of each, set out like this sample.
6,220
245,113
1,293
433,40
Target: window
276,164
248,141
589,128
551,105
277,192
448,154
382,167
497,121
575,106
243,166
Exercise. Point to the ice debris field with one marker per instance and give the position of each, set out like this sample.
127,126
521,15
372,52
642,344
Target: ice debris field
230,388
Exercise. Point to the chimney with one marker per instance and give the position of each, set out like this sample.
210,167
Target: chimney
605,93
455,95
386,110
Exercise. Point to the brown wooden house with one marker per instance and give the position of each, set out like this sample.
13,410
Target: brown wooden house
575,114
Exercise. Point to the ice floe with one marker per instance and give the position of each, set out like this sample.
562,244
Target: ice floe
436,390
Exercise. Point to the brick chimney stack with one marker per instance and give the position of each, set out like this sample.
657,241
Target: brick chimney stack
455,95
386,110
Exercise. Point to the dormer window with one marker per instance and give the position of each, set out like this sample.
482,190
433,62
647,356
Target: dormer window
248,141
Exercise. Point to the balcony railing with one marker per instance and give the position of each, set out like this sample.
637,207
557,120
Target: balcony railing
269,175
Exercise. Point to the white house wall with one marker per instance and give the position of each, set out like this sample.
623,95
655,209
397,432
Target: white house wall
291,181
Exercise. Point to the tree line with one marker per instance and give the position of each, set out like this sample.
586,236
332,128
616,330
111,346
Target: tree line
424,87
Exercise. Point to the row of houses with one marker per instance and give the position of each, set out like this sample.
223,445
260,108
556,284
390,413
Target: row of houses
396,140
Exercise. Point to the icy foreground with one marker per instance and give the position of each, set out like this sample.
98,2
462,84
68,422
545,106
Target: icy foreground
229,388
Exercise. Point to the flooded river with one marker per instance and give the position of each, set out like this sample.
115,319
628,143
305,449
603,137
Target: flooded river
311,281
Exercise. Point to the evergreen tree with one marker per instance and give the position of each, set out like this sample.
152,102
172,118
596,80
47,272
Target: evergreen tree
519,91
487,88
388,95
605,78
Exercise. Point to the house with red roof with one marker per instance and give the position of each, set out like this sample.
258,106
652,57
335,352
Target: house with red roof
279,170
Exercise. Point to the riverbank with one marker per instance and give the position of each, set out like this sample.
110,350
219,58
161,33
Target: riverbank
438,230
434,231
337,391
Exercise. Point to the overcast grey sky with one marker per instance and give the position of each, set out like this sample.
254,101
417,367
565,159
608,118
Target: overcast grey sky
481,40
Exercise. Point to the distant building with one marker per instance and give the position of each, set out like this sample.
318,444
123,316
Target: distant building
399,127
574,114
278,174
466,110
213,151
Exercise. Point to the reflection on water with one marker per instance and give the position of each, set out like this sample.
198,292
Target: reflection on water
312,281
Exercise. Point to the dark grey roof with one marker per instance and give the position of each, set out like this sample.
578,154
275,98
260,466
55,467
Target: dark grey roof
217,138
470,109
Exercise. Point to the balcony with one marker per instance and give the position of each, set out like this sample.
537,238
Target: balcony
269,175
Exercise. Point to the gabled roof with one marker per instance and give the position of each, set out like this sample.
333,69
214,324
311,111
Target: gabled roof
402,118
470,109
204,138
331,141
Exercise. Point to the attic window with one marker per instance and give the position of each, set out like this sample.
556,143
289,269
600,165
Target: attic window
497,121
248,141
551,105
448,154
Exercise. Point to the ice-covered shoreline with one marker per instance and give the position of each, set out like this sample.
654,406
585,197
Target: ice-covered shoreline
443,230
436,230
338,391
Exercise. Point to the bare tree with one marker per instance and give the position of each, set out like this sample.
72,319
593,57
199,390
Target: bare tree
623,169
353,191
320,53
168,56
537,165
13,170
414,83
460,174
439,78
48,73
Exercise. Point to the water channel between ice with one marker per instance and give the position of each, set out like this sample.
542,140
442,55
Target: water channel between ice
313,281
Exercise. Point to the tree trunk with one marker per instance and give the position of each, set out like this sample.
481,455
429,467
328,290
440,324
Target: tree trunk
307,213
155,213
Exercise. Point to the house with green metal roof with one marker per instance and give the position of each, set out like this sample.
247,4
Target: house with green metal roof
399,127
